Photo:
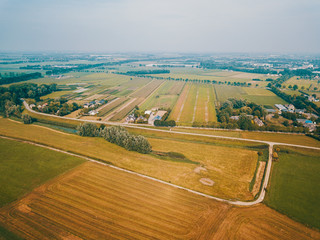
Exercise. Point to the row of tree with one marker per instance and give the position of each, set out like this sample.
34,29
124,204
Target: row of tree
20,78
117,135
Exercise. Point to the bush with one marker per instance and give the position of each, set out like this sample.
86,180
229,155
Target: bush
260,153
27,119
87,130
121,137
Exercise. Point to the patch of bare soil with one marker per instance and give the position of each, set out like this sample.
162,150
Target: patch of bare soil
199,169
206,181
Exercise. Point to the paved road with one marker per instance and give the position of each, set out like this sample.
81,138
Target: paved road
240,203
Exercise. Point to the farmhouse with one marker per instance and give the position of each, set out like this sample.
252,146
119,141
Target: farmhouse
131,118
290,107
281,108
148,112
258,122
235,118
300,111
271,111
93,112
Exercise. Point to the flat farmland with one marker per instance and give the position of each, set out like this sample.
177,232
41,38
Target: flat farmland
176,111
98,202
165,169
187,112
205,108
198,105
217,75
126,109
301,82
294,185
111,106
165,97
24,167
257,95
231,170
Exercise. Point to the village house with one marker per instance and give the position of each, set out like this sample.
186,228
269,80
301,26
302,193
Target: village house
281,108
130,118
258,122
290,107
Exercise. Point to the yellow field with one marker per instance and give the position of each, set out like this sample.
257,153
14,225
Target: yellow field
273,137
205,109
98,202
230,169
306,83
177,108
231,172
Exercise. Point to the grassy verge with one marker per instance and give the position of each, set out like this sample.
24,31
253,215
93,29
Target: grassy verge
7,235
294,185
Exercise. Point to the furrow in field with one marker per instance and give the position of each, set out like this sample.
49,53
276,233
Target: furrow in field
195,106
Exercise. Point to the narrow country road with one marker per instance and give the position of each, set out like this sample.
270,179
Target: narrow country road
240,203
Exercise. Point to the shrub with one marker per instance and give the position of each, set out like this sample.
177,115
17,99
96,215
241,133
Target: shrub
88,130
121,137
26,119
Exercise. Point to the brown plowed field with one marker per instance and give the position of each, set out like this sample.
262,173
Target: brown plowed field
98,202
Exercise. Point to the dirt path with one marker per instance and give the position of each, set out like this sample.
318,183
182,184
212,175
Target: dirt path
206,107
131,172
195,107
182,106
259,176
240,203
14,121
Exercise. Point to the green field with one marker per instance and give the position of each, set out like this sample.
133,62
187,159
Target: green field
301,82
217,75
295,183
165,97
24,167
257,95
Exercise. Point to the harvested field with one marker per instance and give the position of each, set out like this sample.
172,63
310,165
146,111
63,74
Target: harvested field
107,108
147,89
189,105
98,202
231,170
205,109
126,109
165,97
176,112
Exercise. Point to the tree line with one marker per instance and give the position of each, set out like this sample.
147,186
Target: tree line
117,135
20,78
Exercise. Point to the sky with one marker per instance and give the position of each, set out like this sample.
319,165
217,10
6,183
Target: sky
189,26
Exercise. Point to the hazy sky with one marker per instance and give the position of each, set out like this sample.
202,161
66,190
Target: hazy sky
162,25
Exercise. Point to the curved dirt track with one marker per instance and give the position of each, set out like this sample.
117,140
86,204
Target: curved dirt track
240,203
